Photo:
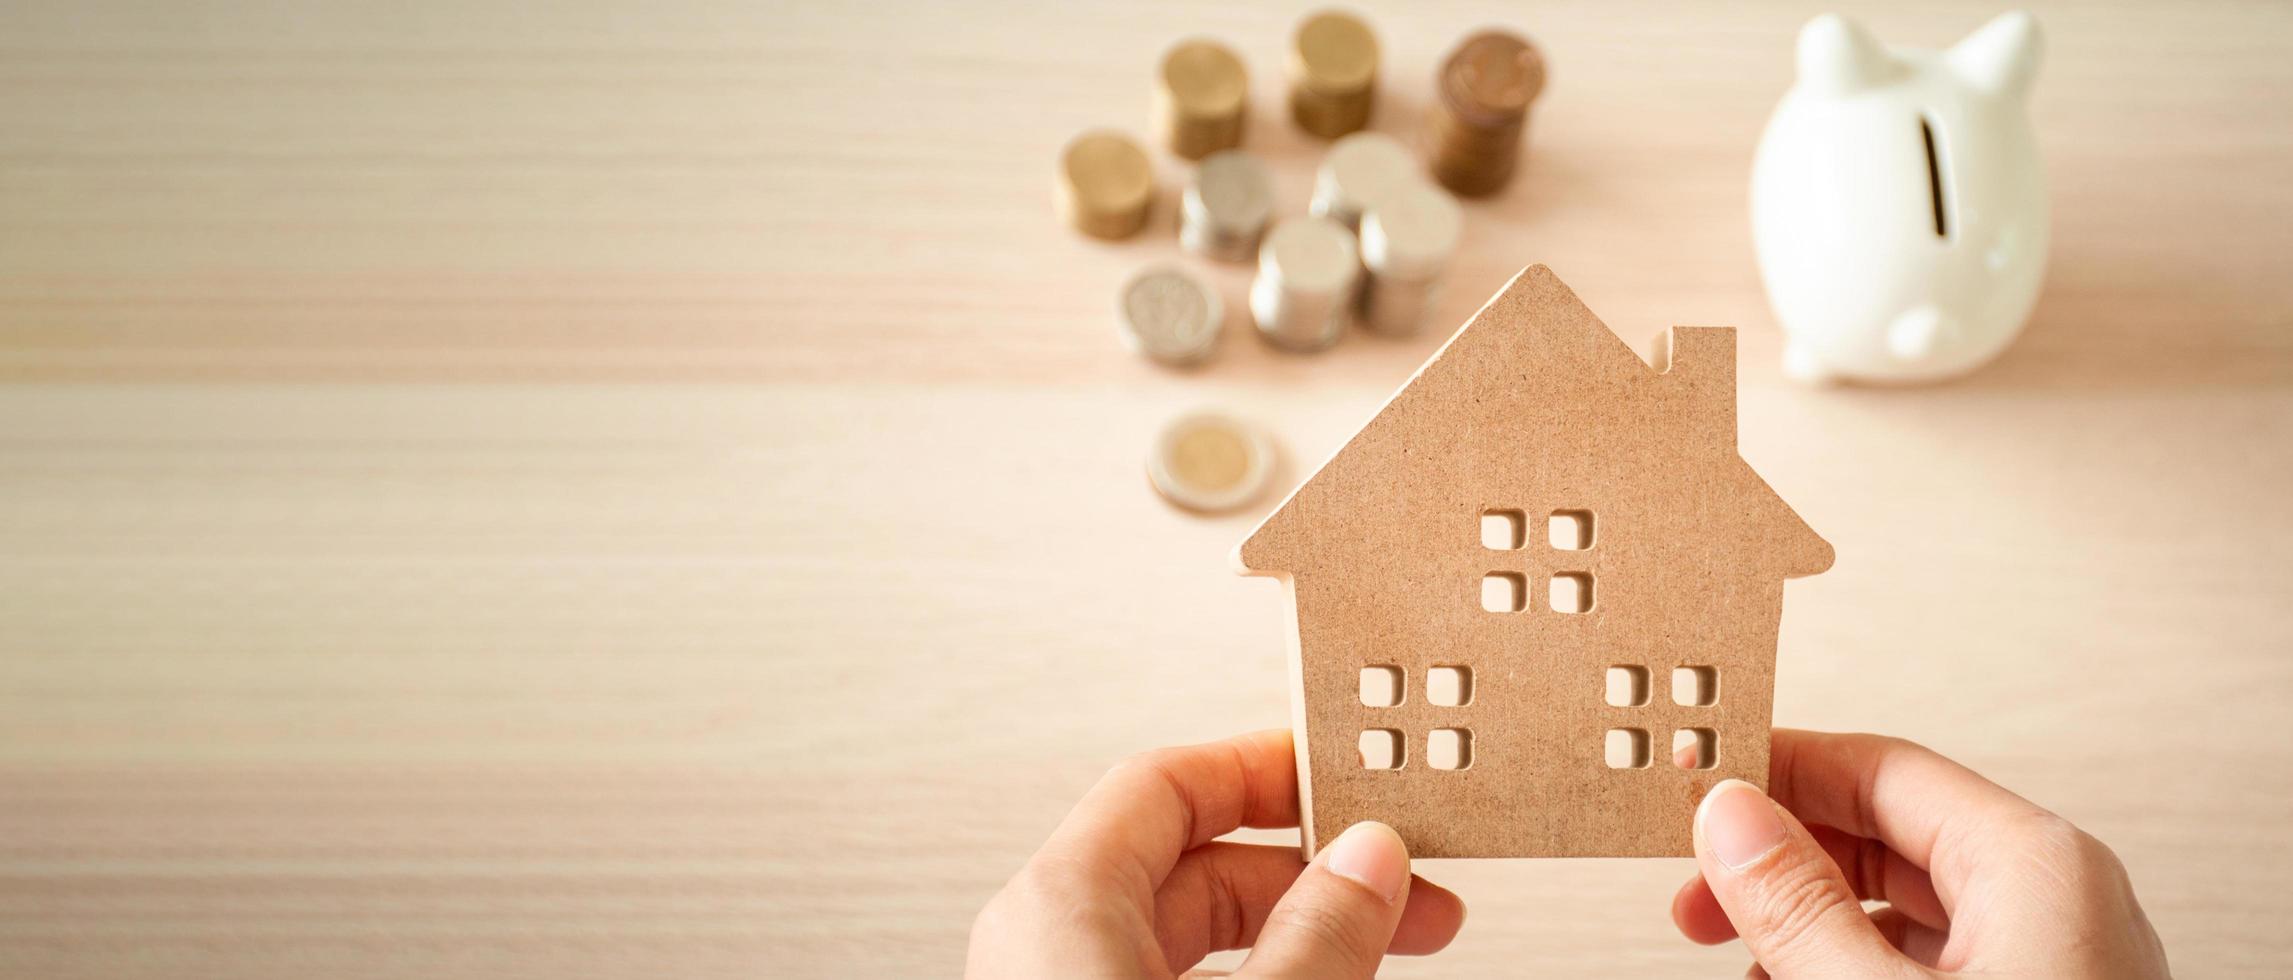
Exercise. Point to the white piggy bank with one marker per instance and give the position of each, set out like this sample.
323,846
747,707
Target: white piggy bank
1898,205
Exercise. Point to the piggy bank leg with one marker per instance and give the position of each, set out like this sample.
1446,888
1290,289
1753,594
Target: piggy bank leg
1800,364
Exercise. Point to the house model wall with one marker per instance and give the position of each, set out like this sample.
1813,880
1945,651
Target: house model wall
1537,595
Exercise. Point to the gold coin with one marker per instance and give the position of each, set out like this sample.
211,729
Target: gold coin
1202,98
1204,78
1485,86
1106,185
1491,78
1210,462
1333,74
1335,53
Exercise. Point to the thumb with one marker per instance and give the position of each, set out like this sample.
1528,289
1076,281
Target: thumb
1787,900
1336,920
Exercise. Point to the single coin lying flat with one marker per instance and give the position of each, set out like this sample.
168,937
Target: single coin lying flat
1210,462
1171,315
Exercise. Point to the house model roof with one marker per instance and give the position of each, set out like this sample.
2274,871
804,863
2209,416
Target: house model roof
1536,384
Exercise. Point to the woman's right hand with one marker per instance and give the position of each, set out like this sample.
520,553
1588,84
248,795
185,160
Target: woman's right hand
1975,878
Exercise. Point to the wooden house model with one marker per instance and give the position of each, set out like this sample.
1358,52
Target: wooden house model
1537,595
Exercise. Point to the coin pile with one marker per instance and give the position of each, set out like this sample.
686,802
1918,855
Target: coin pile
1202,98
1405,244
1333,74
1305,290
1481,109
1360,171
1372,249
1106,185
1224,212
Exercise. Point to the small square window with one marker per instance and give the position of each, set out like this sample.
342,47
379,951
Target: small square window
1504,592
1381,686
1627,748
1504,530
1695,748
1572,592
1380,749
1695,687
1627,686
1570,530
1449,748
1449,687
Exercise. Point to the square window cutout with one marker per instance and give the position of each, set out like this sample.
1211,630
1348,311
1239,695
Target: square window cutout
1449,687
1695,687
1381,686
1504,530
1504,592
1627,686
1627,748
1695,748
1570,530
1380,749
1572,592
1449,748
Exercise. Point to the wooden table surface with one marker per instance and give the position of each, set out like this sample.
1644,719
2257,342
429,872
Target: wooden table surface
577,490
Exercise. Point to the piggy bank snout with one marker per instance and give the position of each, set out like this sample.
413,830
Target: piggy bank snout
1919,333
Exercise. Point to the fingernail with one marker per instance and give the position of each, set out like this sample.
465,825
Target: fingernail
1739,824
1371,855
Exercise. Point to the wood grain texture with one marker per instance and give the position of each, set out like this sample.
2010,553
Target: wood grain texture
775,643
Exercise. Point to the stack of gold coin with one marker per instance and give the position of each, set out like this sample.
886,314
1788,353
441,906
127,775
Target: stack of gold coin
1333,74
1481,109
1106,185
1200,98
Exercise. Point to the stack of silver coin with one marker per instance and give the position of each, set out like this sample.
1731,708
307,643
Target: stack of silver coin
1224,211
1304,293
1406,241
1358,173
1170,315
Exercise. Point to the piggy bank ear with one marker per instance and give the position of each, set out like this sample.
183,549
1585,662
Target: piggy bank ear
1836,56
2001,56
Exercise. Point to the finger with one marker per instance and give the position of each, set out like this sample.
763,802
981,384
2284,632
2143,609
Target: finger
1787,900
1902,795
1698,914
1218,895
1337,920
1154,806
1874,872
1878,874
1922,944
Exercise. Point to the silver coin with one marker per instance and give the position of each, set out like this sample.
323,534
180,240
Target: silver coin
1397,307
1170,315
1412,233
1224,211
1304,294
1359,173
1406,242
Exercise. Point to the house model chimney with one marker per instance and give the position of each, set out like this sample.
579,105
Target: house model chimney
1702,360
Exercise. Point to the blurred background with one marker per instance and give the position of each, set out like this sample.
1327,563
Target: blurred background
576,490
